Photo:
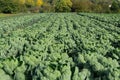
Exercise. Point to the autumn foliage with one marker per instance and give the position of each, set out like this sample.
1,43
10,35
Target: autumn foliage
39,3
15,6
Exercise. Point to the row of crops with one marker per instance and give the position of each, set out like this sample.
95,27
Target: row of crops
113,19
59,46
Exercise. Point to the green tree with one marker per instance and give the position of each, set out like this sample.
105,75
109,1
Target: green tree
115,7
81,5
9,6
101,5
29,3
21,1
63,6
47,7
96,8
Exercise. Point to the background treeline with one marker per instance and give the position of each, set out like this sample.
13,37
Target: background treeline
102,6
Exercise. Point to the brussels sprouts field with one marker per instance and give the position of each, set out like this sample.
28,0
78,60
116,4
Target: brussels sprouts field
60,46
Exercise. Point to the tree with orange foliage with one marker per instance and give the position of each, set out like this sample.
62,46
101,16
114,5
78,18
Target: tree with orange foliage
39,3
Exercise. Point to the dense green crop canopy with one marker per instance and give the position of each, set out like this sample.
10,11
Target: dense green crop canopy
60,46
